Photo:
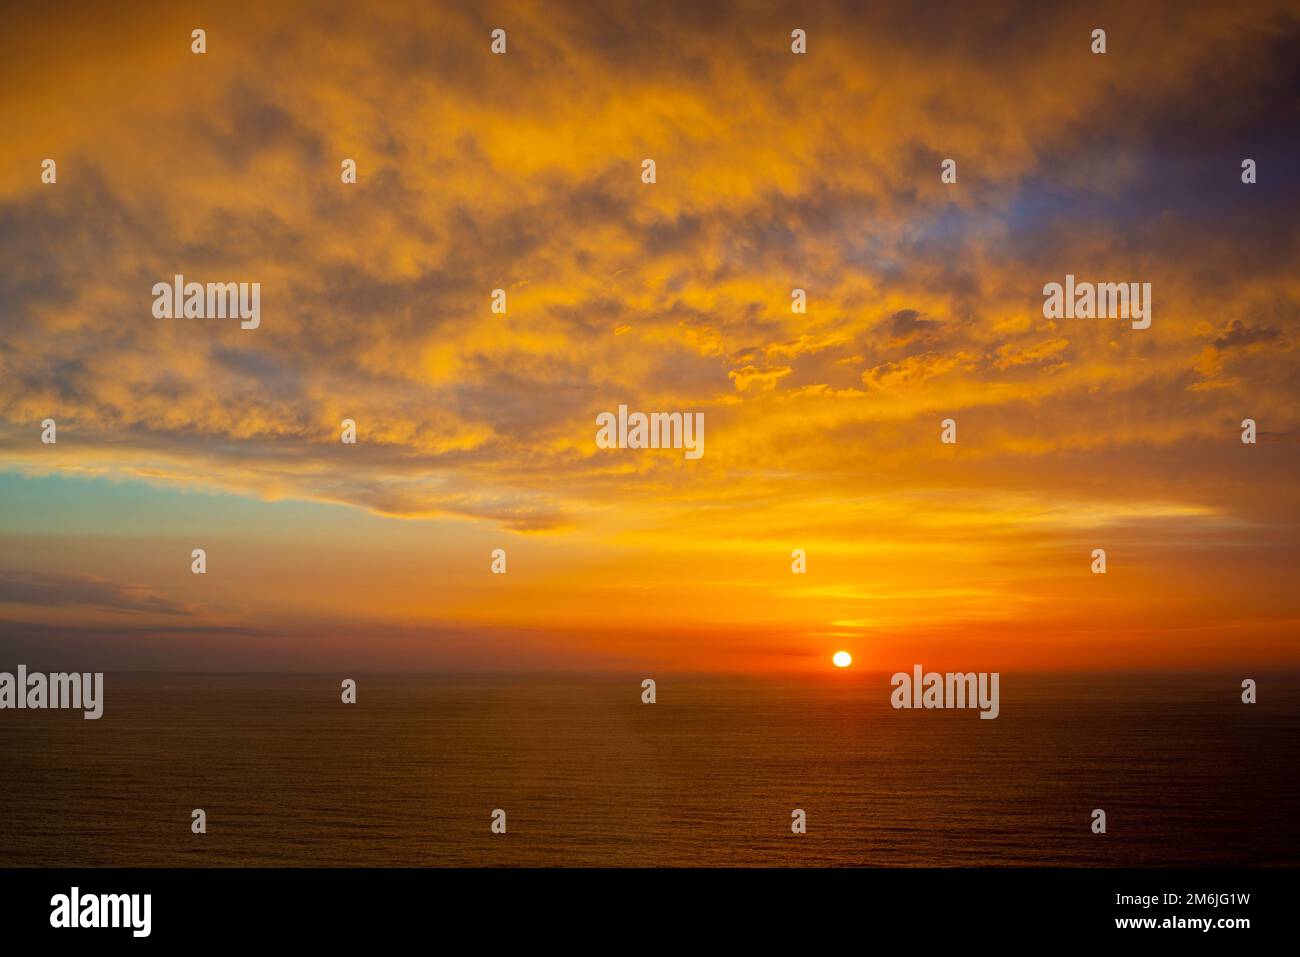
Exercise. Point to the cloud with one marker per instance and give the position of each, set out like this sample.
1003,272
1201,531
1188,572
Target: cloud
64,591
522,172
1237,334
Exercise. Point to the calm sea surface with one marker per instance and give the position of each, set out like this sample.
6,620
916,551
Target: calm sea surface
588,775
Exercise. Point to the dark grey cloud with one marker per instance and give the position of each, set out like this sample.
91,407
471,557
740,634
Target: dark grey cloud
64,591
1239,334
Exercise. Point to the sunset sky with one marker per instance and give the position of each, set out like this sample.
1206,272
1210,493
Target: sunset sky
477,431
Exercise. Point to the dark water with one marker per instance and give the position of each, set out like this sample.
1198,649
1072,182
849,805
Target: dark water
590,776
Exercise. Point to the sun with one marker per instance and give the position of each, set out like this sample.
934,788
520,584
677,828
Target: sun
842,659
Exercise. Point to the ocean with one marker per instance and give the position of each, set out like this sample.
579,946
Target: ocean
587,775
